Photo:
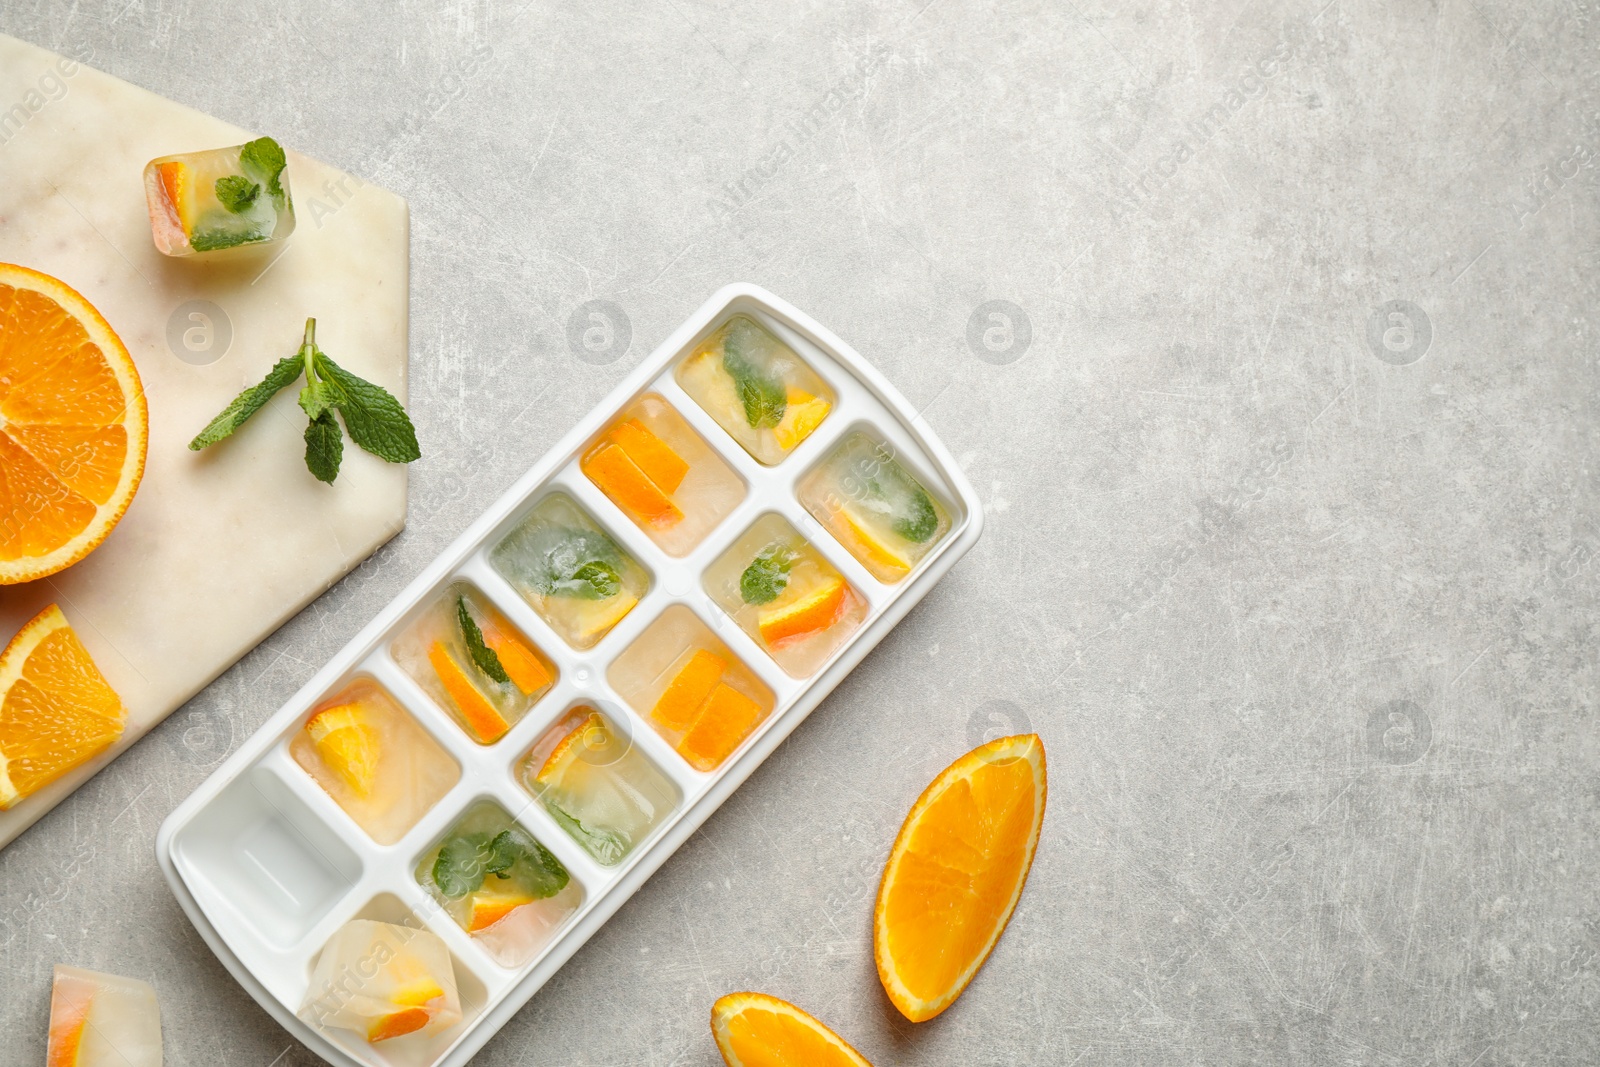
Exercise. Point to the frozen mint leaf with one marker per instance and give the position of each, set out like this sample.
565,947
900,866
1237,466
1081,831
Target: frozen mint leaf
568,561
324,447
607,846
918,524
215,237
764,397
515,854
247,403
459,867
595,580
376,420
264,159
237,193
487,660
768,574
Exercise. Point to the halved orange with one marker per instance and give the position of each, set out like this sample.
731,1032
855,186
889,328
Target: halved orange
620,478
689,689
807,614
348,743
755,1030
726,719
483,720
73,426
58,710
956,873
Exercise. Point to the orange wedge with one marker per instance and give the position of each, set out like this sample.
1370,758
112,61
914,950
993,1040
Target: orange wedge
807,614
69,1018
348,744
651,454
956,873
570,746
755,1030
483,719
873,549
397,1024
728,716
620,478
489,906
522,666
73,426
57,712
802,414
689,689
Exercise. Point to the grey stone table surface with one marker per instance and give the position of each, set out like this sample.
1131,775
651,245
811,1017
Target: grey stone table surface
1286,432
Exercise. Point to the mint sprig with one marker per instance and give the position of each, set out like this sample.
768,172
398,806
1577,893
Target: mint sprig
264,160
768,574
375,420
486,658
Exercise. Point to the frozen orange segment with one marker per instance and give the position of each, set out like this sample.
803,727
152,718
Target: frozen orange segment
348,744
815,611
621,479
523,667
490,905
802,413
727,717
652,455
482,719
689,689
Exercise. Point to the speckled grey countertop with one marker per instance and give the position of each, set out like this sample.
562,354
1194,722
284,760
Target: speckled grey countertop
1286,432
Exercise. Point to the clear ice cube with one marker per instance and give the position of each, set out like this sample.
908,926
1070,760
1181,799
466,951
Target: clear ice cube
597,785
474,663
662,475
571,571
219,198
756,387
785,594
103,1020
383,981
874,507
499,884
374,759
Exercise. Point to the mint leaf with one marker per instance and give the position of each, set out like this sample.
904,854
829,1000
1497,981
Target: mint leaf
515,854
236,193
567,561
376,420
763,395
324,447
264,159
213,238
768,574
607,846
247,403
487,660
595,580
922,520
316,398
459,867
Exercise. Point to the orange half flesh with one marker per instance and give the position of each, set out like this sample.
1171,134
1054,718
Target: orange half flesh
755,1030
956,873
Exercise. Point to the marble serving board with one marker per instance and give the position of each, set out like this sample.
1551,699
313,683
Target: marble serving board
218,548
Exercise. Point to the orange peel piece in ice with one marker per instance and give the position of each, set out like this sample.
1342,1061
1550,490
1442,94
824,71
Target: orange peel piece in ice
725,721
689,689
482,718
621,479
651,454
522,666
807,614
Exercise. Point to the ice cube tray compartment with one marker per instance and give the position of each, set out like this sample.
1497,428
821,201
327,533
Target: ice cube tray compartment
262,809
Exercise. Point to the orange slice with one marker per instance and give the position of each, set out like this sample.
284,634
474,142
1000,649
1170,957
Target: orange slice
348,744
755,1030
73,426
58,711
569,748
873,549
689,689
483,720
807,614
397,1024
956,873
489,906
522,666
651,454
621,479
802,414
69,1018
595,617
726,719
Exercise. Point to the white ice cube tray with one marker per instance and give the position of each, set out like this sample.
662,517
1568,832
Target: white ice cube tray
268,866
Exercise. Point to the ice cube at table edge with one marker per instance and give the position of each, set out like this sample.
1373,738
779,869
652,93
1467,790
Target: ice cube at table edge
102,1020
220,198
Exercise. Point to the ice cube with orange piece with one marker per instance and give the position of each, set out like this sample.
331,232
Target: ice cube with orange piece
786,595
383,981
879,511
102,1020
597,785
219,198
662,474
756,387
474,662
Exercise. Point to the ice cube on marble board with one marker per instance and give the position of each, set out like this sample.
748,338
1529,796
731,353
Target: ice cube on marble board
384,981
675,675
102,1020
219,198
874,507
597,785
481,669
662,475
570,571
514,912
756,388
374,760
781,591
